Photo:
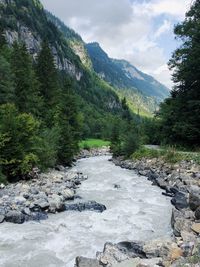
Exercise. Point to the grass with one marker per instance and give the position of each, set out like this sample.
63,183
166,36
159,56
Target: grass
169,155
93,143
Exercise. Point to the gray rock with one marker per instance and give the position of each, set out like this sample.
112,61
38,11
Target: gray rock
34,191
180,200
2,217
15,217
85,262
194,201
68,194
197,213
56,204
91,205
132,249
111,255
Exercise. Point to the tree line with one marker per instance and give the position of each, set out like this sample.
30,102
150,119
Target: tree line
39,119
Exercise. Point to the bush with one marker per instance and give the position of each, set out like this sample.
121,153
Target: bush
18,135
131,144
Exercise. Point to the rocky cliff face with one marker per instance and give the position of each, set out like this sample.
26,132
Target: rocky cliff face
33,44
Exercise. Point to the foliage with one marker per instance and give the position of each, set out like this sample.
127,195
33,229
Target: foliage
18,132
93,143
169,154
180,114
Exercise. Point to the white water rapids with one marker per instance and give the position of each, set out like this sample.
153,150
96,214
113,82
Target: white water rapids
135,211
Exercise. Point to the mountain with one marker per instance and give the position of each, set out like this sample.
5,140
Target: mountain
142,90
28,22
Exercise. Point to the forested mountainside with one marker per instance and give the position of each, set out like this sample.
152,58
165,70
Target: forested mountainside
26,21
49,100
141,89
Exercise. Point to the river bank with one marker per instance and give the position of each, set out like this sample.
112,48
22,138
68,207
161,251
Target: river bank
135,210
45,193
181,183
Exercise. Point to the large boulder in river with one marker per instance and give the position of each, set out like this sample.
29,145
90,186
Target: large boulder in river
91,205
15,217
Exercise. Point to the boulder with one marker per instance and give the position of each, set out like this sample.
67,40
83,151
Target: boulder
2,217
196,228
41,204
180,200
194,201
85,262
91,205
15,217
162,248
197,213
179,223
137,262
68,194
56,204
111,255
132,249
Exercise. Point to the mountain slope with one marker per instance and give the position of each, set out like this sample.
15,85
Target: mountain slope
143,90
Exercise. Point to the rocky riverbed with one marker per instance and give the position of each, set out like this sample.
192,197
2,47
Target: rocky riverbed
45,193
181,183
50,193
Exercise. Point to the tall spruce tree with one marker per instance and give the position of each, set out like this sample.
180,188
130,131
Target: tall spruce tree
49,81
69,123
27,97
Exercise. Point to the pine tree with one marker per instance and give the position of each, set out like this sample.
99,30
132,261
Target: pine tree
47,76
69,122
6,82
27,97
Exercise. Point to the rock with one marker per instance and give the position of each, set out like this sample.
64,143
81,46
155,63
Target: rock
15,217
132,249
179,223
20,200
91,205
42,204
162,248
187,249
34,191
196,228
197,213
2,217
27,211
68,194
180,200
2,186
111,255
117,186
56,204
85,262
194,201
36,216
137,262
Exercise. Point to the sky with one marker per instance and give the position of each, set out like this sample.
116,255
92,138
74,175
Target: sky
140,31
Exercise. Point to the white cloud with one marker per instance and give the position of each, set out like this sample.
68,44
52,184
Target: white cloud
165,27
125,29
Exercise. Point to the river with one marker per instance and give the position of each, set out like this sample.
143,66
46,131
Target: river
135,211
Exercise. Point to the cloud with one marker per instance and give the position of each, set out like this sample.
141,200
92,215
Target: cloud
165,27
129,29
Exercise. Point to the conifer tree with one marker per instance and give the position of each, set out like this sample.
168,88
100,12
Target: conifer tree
27,97
6,81
69,124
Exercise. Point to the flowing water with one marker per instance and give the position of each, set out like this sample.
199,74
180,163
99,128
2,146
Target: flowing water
135,211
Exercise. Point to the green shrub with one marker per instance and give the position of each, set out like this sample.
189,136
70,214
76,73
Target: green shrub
18,134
